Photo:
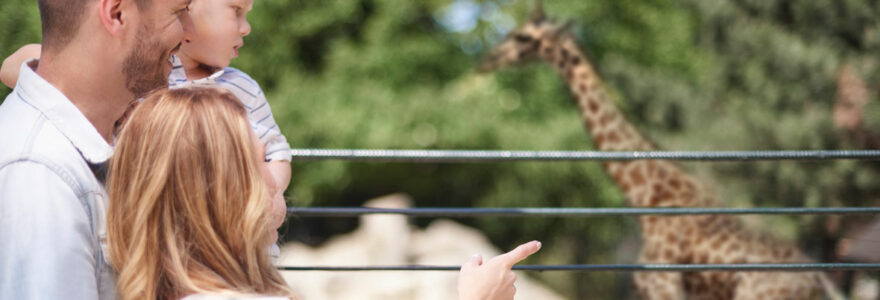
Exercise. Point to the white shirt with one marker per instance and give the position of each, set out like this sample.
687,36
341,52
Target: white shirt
251,96
52,208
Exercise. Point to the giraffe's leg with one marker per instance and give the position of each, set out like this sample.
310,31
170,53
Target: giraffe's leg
658,250
777,285
660,285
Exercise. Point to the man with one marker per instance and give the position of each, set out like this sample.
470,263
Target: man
56,131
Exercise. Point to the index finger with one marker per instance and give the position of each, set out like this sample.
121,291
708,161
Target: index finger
517,255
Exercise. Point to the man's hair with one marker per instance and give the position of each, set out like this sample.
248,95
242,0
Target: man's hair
61,19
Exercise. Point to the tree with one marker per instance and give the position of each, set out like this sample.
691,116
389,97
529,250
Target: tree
692,74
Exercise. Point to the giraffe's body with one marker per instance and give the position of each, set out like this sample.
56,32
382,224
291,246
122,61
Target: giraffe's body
710,239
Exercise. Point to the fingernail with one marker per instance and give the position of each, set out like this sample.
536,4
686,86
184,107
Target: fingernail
539,244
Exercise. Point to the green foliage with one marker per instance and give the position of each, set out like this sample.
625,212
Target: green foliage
19,25
692,74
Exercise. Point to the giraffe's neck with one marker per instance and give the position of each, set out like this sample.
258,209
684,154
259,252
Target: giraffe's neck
852,95
645,183
606,124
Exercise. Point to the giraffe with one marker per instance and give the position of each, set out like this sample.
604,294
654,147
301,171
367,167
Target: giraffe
710,239
848,115
852,95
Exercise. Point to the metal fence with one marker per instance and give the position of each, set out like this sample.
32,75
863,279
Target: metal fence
479,156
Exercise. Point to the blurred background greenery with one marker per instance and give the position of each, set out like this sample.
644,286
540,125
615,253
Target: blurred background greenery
691,74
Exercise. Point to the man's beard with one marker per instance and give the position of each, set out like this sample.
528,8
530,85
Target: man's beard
143,66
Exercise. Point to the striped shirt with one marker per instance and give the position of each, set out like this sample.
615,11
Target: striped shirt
251,96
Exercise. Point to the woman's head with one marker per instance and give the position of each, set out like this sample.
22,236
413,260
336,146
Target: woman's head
188,204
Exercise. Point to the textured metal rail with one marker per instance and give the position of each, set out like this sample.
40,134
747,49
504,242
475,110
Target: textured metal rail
475,156
571,212
619,267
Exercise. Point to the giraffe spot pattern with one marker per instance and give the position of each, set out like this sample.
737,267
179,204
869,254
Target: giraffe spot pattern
593,105
606,119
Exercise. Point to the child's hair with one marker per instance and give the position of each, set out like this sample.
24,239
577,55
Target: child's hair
189,210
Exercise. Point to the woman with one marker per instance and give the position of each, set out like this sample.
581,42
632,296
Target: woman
190,214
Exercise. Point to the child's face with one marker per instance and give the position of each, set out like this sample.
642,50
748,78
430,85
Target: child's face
218,29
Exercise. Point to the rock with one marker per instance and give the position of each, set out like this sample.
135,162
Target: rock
386,240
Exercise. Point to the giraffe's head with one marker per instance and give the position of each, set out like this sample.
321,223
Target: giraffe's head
534,39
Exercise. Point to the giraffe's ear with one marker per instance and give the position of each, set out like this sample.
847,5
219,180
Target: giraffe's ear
537,12
566,27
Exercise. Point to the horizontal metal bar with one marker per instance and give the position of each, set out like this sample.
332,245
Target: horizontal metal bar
571,212
619,267
472,156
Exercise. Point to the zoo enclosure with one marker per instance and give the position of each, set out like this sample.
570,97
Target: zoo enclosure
482,156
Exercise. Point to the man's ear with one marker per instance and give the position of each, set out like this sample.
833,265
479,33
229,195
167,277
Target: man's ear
113,18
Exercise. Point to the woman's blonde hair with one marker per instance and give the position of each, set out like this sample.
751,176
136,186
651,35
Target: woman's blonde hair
189,210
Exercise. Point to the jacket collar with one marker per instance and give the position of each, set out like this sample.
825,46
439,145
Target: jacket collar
62,114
